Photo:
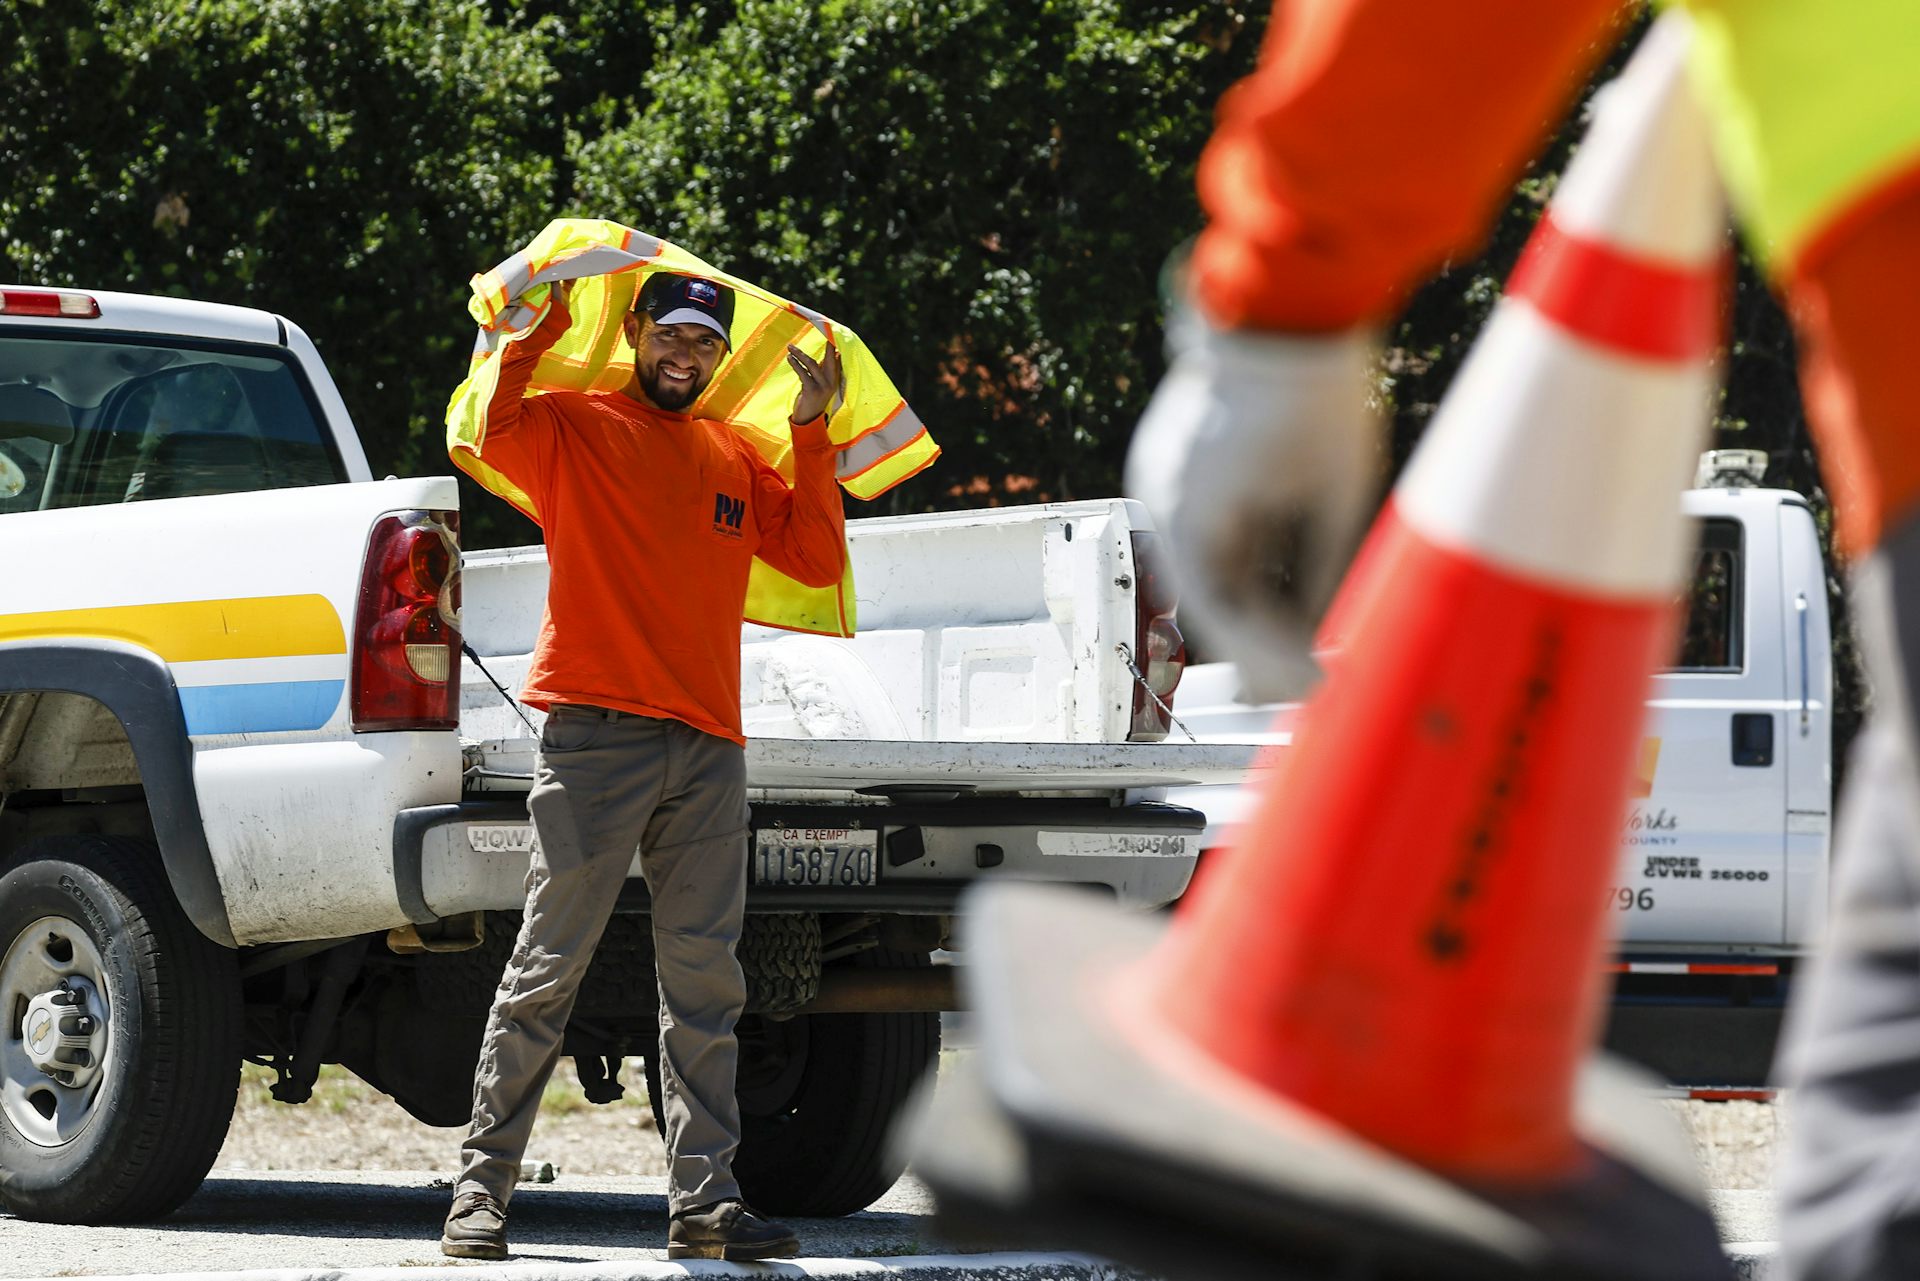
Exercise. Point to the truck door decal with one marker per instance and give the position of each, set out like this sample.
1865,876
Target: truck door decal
259,707
1648,768
255,664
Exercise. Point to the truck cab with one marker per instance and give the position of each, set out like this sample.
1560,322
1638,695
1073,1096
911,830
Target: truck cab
1725,848
1722,883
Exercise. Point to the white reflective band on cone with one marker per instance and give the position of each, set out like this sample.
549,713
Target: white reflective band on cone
1644,179
1561,462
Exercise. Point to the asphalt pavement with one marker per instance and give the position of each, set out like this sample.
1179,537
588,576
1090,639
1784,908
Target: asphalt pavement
312,1225
335,1226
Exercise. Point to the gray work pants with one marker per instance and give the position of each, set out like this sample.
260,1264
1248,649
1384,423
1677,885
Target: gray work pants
606,783
1850,1174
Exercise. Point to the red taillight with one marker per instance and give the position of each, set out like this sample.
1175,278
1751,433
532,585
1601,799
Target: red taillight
47,302
406,655
1159,650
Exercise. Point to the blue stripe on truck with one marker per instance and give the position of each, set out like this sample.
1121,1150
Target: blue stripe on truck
261,708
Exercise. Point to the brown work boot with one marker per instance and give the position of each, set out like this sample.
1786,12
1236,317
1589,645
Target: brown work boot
728,1230
476,1227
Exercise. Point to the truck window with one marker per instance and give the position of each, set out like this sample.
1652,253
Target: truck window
1711,637
111,419
32,421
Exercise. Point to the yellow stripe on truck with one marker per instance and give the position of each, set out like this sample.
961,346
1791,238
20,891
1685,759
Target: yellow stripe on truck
193,631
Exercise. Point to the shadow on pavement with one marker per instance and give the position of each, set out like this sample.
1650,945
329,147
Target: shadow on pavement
541,1214
284,1207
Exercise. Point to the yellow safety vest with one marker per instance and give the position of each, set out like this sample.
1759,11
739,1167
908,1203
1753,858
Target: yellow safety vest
1816,109
882,441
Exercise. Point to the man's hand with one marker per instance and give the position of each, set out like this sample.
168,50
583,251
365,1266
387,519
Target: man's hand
1259,460
560,315
819,382
529,311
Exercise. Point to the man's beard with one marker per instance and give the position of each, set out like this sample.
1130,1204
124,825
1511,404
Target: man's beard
672,395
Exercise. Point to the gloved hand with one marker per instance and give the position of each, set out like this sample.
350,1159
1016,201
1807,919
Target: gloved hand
1260,461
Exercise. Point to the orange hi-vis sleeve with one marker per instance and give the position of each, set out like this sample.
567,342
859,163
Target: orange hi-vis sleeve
652,521
1852,309
1376,140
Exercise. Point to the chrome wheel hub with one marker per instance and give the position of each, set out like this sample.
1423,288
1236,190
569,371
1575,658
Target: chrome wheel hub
56,1035
60,1033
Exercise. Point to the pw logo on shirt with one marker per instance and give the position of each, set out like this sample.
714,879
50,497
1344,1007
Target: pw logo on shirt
727,513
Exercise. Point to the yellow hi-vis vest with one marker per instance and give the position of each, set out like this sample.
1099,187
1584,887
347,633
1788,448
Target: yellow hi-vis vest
882,441
1816,111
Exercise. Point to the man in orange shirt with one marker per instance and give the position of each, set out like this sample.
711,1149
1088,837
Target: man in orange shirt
652,518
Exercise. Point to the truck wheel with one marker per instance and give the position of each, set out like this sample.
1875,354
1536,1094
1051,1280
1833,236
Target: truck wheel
119,1035
818,1096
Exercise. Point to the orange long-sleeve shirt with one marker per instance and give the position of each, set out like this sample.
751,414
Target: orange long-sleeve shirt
1332,183
652,520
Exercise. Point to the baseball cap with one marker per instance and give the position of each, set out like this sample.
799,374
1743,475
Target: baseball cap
688,300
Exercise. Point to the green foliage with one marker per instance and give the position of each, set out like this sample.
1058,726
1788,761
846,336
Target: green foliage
347,163
986,192
600,51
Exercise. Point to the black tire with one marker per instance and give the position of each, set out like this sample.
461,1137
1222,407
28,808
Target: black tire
818,1096
780,957
142,1138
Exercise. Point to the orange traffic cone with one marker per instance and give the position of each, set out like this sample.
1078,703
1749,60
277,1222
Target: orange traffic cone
1421,894
1359,1038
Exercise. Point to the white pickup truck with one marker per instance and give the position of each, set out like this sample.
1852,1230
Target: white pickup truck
1722,880
253,804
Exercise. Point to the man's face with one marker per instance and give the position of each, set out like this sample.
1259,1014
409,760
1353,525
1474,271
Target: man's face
674,363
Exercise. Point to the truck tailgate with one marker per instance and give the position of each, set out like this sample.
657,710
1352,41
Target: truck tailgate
864,825
818,765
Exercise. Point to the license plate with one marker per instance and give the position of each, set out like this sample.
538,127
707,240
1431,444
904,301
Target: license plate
816,856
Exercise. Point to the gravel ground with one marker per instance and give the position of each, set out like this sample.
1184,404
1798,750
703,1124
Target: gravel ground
1735,1141
350,1126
